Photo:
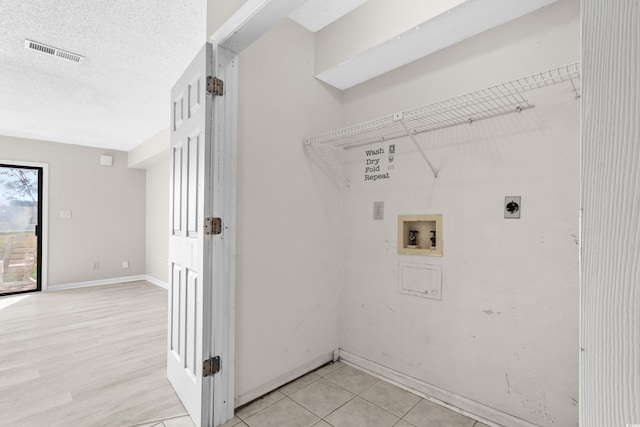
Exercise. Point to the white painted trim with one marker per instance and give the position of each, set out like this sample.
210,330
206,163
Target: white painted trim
44,269
44,259
251,21
283,379
101,282
470,408
224,140
155,281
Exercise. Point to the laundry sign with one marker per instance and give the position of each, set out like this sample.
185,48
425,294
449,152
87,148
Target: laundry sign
378,163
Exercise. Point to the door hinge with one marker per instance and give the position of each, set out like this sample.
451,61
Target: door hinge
212,225
211,366
215,86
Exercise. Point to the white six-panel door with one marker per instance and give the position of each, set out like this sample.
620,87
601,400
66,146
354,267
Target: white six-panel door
190,257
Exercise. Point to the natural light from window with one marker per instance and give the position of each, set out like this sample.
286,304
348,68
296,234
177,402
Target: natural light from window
7,301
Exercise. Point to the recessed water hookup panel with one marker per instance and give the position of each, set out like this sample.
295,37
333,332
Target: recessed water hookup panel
420,234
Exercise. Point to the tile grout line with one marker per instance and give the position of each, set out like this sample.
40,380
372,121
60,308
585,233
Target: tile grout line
323,419
402,419
330,382
251,403
308,410
378,380
288,396
243,421
305,386
411,409
378,406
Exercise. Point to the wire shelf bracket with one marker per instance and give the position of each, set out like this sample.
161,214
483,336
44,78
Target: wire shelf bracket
399,117
491,102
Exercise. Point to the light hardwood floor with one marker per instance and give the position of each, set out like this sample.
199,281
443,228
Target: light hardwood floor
86,357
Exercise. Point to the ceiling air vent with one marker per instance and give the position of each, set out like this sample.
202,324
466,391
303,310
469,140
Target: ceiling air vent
50,50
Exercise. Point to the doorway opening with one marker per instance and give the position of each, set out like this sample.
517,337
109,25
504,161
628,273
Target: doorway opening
21,190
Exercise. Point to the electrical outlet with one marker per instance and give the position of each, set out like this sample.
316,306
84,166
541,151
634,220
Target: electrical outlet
65,214
125,264
378,210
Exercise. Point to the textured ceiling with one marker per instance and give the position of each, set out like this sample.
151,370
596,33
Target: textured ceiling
119,95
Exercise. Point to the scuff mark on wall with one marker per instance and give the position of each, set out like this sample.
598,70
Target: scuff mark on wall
575,238
490,312
506,376
388,248
388,306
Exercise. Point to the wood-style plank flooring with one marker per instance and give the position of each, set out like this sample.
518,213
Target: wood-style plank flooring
86,357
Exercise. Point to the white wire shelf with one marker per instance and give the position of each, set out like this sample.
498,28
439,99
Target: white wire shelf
482,104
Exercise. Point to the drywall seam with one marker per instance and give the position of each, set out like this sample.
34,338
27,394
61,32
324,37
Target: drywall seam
435,394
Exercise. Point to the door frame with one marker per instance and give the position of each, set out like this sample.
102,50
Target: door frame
223,264
253,19
43,232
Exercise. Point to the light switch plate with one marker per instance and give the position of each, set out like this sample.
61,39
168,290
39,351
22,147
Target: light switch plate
378,210
512,207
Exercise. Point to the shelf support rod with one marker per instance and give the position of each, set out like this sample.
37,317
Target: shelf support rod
424,155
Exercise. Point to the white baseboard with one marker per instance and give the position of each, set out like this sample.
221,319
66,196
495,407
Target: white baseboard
281,380
101,282
156,282
470,408
113,281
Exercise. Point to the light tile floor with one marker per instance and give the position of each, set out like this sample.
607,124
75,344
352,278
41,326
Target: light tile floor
338,395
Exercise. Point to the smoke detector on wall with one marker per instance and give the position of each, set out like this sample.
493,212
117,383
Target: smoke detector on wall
50,50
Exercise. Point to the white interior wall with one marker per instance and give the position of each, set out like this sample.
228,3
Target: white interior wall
490,343
157,221
610,303
289,216
153,156
504,337
154,150
107,204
